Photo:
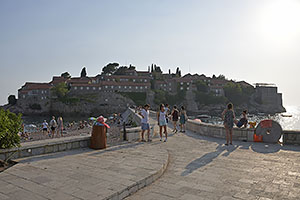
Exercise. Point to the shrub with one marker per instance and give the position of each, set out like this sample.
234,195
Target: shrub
10,126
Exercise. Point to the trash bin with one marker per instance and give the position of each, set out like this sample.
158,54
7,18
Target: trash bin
98,138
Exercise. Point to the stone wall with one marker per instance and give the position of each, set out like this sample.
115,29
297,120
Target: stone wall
291,137
45,146
218,131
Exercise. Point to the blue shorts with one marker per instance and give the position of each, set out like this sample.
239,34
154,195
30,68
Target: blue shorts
145,126
162,123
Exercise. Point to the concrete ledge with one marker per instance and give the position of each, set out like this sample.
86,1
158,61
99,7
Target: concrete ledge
218,131
45,146
291,137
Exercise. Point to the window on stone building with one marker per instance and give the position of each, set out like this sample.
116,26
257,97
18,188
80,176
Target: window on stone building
146,87
75,88
99,88
94,88
81,88
87,88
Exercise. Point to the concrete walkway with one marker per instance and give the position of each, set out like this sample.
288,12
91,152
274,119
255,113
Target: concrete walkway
113,173
204,168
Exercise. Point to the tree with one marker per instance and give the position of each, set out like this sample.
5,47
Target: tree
214,77
110,68
152,68
10,126
60,90
83,73
202,86
169,71
12,100
131,67
234,93
221,76
121,71
66,75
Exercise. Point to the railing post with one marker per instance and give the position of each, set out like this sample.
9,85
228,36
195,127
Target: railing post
124,131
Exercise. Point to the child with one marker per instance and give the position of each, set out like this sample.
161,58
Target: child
162,123
144,113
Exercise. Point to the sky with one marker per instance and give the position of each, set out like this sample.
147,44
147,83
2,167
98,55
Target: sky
252,40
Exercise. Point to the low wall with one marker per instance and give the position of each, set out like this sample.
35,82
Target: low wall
45,146
291,137
218,131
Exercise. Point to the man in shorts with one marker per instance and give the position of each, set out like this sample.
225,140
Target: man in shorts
144,113
53,126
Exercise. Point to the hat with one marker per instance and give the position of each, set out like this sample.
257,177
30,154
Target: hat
102,120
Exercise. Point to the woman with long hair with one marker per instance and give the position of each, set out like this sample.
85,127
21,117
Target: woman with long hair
228,117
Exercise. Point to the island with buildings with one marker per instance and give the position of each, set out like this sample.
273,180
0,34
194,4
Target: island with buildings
118,87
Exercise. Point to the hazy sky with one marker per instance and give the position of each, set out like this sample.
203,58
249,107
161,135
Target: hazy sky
251,40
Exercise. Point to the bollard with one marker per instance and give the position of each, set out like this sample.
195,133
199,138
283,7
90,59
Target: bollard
124,132
98,138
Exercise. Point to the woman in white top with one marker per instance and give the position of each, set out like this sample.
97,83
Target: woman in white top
162,123
60,126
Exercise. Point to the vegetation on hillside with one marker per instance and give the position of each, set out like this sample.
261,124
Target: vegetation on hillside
10,126
60,90
139,98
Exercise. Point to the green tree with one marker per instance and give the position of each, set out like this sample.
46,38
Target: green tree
10,126
221,76
60,90
234,93
66,75
12,100
131,67
83,73
110,68
202,86
120,70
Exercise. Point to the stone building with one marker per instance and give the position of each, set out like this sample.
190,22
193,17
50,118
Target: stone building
35,91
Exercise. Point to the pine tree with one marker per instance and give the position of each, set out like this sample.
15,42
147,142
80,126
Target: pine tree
83,73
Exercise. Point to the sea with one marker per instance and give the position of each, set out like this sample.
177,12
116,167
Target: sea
290,120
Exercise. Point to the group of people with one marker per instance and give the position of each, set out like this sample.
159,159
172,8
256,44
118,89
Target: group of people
164,114
53,127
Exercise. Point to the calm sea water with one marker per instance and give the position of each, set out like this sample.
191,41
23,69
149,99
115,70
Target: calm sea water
290,123
287,123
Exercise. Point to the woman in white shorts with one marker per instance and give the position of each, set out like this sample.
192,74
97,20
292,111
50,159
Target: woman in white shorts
162,123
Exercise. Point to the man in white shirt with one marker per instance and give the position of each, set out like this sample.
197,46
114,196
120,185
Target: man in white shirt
144,113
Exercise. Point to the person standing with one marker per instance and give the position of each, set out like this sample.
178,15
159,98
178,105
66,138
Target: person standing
45,127
183,119
53,126
60,126
229,117
144,113
175,116
162,123
167,108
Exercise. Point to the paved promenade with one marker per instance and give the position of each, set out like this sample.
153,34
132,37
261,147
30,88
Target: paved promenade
198,168
204,168
85,174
